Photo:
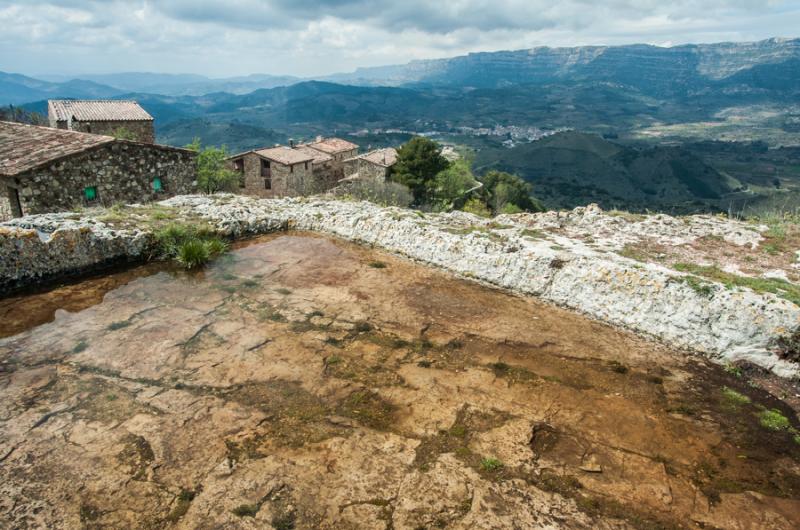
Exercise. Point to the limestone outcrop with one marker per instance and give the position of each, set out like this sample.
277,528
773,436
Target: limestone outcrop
570,259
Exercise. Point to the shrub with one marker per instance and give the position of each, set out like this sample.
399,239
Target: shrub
190,245
476,207
193,253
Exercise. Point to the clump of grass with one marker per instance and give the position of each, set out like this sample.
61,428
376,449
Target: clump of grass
491,464
774,420
782,288
618,367
190,245
734,397
283,522
733,369
193,254
246,510
377,264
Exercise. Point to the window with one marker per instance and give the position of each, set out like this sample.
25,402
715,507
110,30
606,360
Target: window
291,169
90,193
238,165
265,168
157,186
306,166
267,183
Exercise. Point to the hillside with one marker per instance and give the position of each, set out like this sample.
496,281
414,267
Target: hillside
16,89
574,169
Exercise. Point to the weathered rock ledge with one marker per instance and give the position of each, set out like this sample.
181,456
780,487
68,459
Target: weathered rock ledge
548,262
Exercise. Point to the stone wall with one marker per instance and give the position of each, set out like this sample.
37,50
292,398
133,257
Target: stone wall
142,131
365,169
286,181
121,171
5,205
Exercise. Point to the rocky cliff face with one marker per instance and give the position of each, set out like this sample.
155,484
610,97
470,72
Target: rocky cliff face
652,69
585,259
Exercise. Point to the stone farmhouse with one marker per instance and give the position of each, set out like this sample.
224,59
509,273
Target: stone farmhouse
294,170
373,165
122,119
45,169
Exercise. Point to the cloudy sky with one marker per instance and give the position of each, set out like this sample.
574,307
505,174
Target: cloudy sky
310,37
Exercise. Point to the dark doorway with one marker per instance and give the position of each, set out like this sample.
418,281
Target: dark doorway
16,205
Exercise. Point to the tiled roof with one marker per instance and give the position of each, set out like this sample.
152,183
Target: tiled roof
383,157
284,155
319,156
97,110
24,147
333,146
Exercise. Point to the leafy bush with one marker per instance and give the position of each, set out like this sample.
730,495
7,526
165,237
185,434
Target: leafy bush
491,464
476,207
213,173
418,162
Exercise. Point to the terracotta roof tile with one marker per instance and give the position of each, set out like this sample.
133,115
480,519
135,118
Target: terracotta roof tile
284,155
333,145
383,157
97,110
319,156
24,147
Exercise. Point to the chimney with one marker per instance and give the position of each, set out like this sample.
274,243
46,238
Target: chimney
291,142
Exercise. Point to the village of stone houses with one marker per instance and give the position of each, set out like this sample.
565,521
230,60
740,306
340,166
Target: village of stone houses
328,335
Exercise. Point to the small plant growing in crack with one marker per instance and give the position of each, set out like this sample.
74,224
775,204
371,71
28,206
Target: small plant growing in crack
491,464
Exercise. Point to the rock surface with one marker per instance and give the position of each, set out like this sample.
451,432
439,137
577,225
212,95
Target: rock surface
294,384
546,255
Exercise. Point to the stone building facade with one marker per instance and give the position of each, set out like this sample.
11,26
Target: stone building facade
274,172
45,170
122,119
339,150
374,165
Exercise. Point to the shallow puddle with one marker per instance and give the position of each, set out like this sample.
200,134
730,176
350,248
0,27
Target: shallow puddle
303,382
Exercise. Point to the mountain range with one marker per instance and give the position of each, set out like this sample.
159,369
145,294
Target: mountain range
650,100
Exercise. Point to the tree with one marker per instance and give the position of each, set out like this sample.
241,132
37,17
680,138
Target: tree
452,183
503,191
418,162
213,174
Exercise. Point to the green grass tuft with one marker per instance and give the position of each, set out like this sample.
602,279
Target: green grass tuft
774,420
782,288
734,397
491,464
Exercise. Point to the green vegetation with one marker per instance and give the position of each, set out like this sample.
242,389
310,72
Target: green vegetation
451,184
774,420
476,207
491,464
378,192
733,397
246,510
377,264
506,193
418,162
213,174
123,133
782,288
190,245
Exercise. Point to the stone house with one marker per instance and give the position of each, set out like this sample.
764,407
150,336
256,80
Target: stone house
373,165
123,119
44,170
339,150
296,170
274,172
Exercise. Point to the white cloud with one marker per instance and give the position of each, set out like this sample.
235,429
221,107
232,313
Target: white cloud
306,37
